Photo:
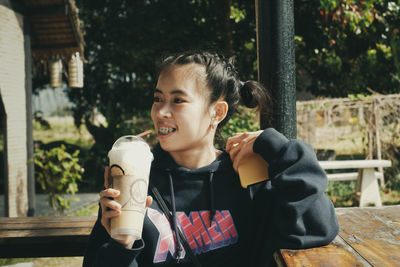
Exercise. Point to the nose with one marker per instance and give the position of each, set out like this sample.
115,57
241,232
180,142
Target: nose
164,111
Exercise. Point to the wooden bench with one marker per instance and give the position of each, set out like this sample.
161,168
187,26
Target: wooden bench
23,237
367,189
368,237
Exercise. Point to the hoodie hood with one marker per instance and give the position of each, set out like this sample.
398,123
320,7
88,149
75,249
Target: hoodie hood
164,161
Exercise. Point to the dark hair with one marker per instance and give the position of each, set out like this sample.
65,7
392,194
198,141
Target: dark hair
223,81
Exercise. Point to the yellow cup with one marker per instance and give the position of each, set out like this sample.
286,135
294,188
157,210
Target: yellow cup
252,169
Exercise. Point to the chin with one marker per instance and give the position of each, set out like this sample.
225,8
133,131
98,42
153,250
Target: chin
166,146
171,147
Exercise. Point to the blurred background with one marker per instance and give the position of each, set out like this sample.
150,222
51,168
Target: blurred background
347,55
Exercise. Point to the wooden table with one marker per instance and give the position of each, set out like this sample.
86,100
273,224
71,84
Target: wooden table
367,189
44,236
368,237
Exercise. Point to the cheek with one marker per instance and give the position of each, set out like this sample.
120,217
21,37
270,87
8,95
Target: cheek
153,114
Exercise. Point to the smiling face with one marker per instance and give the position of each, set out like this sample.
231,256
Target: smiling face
181,111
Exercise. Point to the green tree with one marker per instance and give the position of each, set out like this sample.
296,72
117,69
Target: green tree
342,47
347,46
125,38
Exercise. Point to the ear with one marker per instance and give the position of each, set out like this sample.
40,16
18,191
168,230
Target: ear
220,111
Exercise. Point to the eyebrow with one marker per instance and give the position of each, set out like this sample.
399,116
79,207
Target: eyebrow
174,92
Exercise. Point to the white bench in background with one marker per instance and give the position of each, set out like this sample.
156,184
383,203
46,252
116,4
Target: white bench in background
367,178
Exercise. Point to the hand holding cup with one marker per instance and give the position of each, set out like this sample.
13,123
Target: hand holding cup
125,199
111,208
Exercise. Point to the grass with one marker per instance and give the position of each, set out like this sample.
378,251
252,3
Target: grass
90,210
63,129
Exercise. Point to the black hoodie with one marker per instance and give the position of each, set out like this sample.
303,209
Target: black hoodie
289,210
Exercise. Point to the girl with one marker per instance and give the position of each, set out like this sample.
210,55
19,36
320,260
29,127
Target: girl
210,219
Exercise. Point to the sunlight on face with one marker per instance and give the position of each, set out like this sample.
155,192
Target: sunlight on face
180,110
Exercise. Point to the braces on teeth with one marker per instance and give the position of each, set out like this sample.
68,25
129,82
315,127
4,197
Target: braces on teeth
163,130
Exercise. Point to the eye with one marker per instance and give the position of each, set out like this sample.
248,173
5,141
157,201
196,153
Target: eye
178,100
156,99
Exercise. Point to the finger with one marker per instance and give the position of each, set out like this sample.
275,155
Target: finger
106,175
245,139
144,133
237,160
149,200
232,141
110,214
229,144
246,148
235,150
106,219
109,192
109,204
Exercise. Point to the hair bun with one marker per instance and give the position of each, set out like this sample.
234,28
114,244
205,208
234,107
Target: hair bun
252,94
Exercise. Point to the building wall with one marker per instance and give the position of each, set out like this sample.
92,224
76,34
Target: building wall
12,92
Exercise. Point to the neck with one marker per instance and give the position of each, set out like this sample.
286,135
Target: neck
194,159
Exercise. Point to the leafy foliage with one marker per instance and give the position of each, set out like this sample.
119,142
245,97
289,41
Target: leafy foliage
342,47
244,121
58,172
347,46
125,38
342,193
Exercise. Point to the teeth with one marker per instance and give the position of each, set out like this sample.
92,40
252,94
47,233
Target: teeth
165,130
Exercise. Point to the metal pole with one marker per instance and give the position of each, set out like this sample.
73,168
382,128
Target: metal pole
276,62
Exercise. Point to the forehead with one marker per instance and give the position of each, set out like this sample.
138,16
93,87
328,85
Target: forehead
188,77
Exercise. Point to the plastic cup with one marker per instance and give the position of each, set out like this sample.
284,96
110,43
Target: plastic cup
252,169
130,161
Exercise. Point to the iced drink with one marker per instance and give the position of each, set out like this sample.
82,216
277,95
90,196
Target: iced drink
130,159
252,169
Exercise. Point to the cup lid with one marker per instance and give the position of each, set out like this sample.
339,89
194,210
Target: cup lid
127,139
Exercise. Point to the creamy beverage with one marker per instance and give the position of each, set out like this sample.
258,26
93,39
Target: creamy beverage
130,160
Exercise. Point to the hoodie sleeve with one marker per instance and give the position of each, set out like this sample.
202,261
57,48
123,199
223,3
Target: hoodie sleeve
102,250
298,213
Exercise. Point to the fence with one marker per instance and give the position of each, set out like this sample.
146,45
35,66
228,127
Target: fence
368,125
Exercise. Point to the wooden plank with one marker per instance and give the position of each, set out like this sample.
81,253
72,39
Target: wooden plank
338,253
373,232
24,220
44,232
354,164
43,223
45,226
44,236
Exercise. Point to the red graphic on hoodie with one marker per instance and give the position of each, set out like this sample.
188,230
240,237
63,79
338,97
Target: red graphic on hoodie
201,236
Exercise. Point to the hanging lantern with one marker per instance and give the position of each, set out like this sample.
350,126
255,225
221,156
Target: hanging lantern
56,73
75,71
